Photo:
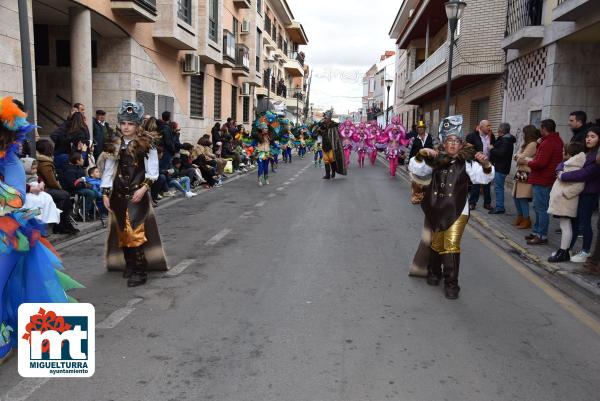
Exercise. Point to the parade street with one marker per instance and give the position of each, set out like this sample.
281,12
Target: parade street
298,291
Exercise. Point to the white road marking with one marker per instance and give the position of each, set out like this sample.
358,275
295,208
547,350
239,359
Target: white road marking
24,389
287,183
246,215
280,189
214,240
260,204
181,266
117,316
272,195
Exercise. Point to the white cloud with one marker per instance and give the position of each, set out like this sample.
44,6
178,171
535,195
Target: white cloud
345,39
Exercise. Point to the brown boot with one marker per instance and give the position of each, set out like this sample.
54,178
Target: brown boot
518,220
525,224
588,269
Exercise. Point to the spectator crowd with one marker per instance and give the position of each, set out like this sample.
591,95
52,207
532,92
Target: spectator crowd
63,181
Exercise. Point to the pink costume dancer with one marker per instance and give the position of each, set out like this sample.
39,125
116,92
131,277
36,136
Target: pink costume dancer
395,137
347,131
372,135
361,145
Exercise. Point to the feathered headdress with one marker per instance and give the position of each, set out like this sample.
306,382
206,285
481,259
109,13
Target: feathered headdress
15,120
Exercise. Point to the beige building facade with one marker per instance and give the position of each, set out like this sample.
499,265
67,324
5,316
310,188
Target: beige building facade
553,61
200,59
421,32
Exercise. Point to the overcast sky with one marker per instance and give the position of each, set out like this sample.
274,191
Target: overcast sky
345,37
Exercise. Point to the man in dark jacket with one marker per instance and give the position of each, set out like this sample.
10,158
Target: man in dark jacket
103,134
579,126
482,140
168,141
501,157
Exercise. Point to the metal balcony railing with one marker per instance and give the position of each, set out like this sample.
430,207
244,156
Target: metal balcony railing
561,1
229,46
523,13
298,56
432,62
243,57
148,5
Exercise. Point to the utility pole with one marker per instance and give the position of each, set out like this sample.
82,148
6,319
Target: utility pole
306,102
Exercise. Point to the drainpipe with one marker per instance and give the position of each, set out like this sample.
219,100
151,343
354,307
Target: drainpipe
427,40
27,70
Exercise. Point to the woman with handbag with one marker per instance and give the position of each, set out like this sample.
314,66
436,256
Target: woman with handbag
522,191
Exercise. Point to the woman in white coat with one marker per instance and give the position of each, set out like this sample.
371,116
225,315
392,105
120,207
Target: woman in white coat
564,198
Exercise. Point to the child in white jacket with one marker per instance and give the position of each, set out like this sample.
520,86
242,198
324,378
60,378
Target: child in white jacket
564,198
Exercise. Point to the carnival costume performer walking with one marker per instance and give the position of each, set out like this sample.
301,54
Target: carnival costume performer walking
372,135
263,152
29,265
360,143
333,154
395,136
134,243
445,204
347,131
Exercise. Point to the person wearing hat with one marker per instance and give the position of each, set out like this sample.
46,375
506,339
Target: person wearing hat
421,141
263,153
103,133
134,244
333,154
445,203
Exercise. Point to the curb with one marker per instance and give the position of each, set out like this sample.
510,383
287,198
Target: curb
499,238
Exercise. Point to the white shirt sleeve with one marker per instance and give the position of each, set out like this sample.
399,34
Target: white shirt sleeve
420,169
108,174
151,165
476,174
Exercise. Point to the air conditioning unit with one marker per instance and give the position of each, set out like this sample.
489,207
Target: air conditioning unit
245,89
191,64
245,26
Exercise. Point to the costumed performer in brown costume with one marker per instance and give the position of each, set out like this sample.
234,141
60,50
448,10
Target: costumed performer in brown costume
445,203
134,244
333,153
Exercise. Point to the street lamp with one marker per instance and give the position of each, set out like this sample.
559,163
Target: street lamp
454,11
298,94
388,84
270,62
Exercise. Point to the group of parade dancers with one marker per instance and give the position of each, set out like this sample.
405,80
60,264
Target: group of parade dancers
274,138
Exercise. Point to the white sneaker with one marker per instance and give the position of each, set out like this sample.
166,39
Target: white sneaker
190,194
266,182
260,184
581,257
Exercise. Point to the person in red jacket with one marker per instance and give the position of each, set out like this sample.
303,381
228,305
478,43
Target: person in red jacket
548,156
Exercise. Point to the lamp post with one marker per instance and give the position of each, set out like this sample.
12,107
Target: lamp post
454,11
388,84
270,62
298,93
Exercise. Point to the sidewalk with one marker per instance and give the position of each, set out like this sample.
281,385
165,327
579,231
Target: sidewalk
498,228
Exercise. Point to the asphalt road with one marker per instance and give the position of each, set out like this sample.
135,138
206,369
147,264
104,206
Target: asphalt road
298,291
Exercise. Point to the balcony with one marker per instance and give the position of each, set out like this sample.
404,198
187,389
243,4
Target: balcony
294,101
437,58
523,23
572,10
135,10
242,61
174,25
242,3
229,49
294,64
269,43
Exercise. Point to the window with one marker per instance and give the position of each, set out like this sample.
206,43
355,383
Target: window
258,48
165,103
147,99
213,19
246,109
197,96
234,95
480,109
236,27
184,11
259,6
42,45
217,111
535,118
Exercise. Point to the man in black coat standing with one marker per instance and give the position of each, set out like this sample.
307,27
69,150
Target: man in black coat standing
169,141
422,140
579,126
501,157
482,140
103,134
